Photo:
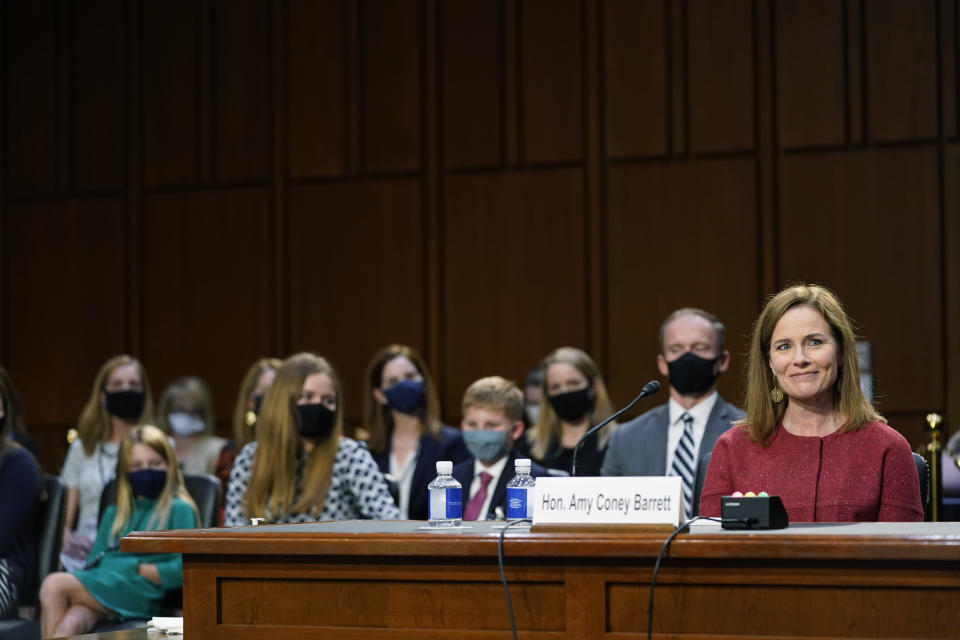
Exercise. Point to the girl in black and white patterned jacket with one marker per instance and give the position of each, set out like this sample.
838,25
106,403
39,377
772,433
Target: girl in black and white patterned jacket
301,468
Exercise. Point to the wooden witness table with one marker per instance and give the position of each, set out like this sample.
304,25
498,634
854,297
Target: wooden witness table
398,580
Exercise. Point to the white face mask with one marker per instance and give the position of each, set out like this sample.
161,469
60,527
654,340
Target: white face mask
185,424
533,412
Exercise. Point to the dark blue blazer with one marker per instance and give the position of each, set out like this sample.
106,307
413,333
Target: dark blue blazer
463,472
449,447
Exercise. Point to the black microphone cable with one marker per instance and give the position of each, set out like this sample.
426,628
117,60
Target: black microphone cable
656,566
503,576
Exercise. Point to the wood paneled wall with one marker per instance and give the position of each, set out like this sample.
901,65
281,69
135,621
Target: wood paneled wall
203,182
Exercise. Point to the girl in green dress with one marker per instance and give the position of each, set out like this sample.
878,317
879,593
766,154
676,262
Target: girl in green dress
150,496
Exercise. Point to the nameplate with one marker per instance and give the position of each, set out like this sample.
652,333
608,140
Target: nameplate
614,500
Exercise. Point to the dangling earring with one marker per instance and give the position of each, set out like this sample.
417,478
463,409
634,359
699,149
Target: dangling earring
776,395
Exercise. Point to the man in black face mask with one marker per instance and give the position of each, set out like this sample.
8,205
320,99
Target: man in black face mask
671,439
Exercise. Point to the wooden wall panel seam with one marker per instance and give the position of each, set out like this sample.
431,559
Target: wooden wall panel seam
208,29
65,99
956,66
687,146
864,74
432,183
279,213
360,72
952,286
353,80
135,331
942,211
515,62
767,141
845,31
594,178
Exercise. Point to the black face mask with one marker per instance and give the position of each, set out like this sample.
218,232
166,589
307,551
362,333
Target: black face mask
148,483
315,420
692,375
572,405
126,405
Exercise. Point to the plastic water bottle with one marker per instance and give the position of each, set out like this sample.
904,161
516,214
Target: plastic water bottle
520,492
446,503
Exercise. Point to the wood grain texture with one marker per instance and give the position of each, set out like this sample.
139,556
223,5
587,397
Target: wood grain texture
811,99
70,277
407,583
517,175
514,282
721,75
343,234
839,213
241,97
471,81
449,603
171,116
32,135
923,544
191,285
392,85
635,78
670,246
552,87
82,288
99,145
901,69
317,114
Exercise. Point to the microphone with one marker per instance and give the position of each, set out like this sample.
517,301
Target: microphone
648,390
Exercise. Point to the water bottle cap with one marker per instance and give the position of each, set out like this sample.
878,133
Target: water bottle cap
523,463
444,467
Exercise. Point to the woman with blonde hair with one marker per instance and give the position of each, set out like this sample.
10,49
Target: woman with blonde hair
403,425
810,435
574,398
185,410
246,410
150,496
120,399
301,468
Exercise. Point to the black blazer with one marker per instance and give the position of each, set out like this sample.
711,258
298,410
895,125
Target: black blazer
463,472
449,447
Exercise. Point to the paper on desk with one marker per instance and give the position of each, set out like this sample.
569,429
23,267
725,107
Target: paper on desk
170,626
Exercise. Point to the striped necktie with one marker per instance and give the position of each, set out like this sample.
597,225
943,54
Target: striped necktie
683,462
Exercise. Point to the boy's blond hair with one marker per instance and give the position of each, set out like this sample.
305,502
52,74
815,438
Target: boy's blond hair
497,393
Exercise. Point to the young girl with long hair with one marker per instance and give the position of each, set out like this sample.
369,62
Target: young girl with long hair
150,496
301,468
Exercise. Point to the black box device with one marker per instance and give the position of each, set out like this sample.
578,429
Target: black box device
764,512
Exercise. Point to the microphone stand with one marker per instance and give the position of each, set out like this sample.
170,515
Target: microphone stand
648,390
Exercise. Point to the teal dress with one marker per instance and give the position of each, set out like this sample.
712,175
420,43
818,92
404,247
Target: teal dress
114,580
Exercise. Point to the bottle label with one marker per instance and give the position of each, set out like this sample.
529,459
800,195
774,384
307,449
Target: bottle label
454,503
517,503
445,503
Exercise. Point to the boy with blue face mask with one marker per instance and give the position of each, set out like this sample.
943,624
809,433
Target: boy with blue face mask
492,422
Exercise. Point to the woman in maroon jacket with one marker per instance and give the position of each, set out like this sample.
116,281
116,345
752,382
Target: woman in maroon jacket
810,436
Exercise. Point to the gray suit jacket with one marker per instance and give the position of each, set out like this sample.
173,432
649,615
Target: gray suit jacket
639,447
